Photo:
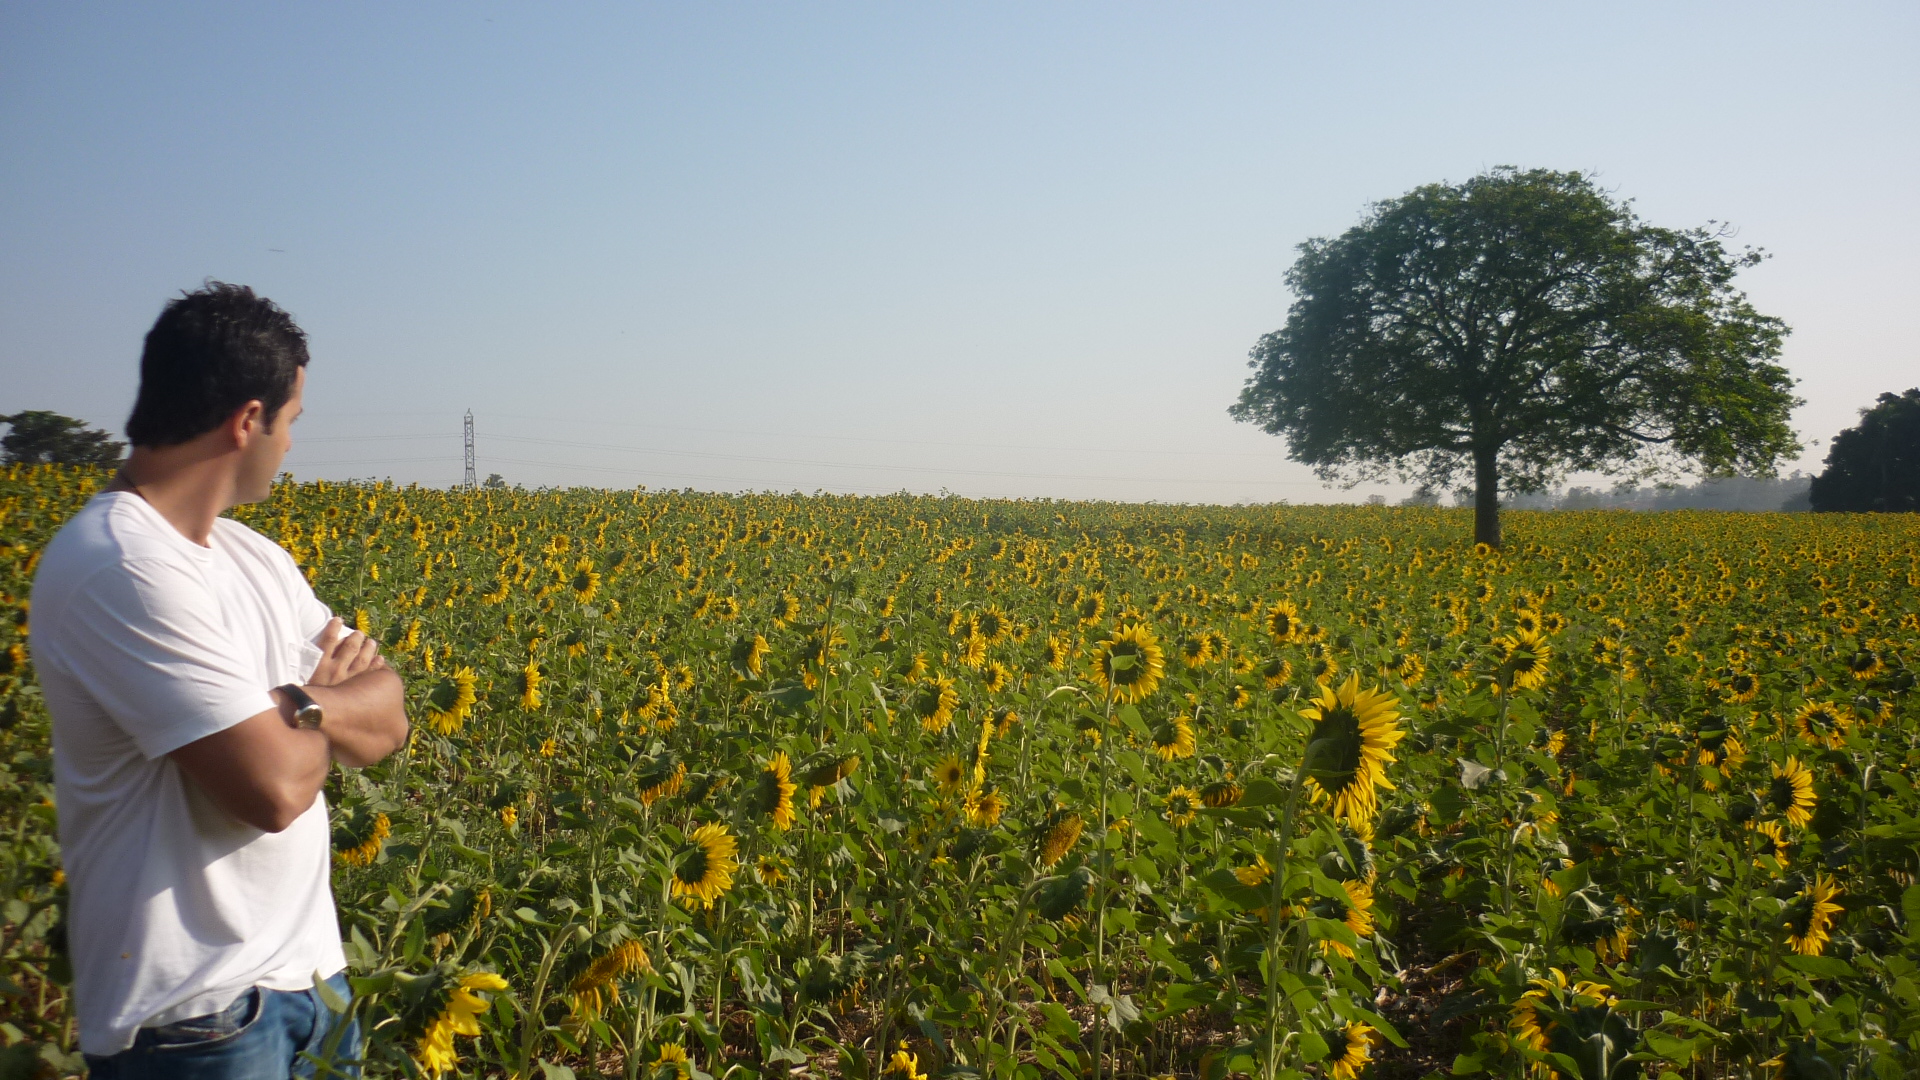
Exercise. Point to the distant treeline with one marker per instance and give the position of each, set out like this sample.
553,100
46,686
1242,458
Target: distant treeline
1731,493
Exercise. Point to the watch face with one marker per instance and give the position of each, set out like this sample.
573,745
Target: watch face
308,717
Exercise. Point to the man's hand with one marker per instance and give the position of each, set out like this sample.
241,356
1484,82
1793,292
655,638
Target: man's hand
344,653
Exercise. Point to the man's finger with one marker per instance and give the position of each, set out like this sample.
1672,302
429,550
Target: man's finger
331,633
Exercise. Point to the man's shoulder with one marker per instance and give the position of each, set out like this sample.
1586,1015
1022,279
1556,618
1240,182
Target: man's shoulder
107,532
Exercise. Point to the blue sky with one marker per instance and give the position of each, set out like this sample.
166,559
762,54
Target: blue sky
997,249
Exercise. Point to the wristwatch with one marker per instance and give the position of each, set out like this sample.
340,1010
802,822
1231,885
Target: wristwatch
306,711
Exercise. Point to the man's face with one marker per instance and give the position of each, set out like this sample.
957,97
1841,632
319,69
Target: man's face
267,446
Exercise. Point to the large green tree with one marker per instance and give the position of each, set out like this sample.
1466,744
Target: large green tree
1512,329
39,437
1875,466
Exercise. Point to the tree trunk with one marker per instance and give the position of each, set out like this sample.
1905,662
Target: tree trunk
1486,497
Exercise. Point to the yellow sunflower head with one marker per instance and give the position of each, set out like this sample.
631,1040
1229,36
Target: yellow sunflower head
1810,917
1130,664
1790,794
1173,738
949,775
1283,623
1058,837
1349,1048
704,871
1354,733
1181,806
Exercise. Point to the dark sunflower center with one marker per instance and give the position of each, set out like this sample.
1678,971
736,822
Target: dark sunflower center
1333,752
693,866
1780,793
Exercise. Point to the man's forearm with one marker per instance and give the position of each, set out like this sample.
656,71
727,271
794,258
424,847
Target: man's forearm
365,716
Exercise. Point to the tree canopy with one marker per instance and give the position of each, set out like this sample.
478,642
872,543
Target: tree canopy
1875,466
39,437
1515,328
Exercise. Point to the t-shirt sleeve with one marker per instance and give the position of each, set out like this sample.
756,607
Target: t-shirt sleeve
313,615
148,643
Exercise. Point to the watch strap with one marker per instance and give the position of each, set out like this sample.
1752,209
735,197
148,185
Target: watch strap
306,711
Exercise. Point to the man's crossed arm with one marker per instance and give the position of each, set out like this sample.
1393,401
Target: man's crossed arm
266,772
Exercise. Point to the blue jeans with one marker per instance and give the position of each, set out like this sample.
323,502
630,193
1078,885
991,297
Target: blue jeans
263,1035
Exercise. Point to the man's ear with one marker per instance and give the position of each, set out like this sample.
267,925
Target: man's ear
247,422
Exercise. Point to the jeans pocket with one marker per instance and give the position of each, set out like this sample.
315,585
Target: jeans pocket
199,1031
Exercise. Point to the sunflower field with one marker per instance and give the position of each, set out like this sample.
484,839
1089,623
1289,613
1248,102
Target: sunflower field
715,786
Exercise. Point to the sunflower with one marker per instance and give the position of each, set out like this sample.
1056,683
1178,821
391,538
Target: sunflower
949,774
983,808
1349,1048
672,1056
905,1064
1354,733
1180,805
1824,723
459,1015
1276,673
705,867
1196,650
358,842
1062,832
1791,792
1774,839
774,795
1810,916
1527,621
1173,738
1090,609
1255,875
973,650
995,676
769,870
451,701
1130,664
1410,668
828,773
1529,1030
585,581
749,655
1057,653
1355,910
1865,664
530,681
1220,793
992,625
1742,687
1526,656
597,986
934,703
1283,623
659,778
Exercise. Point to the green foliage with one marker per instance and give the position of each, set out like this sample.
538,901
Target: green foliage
1511,329
47,438
1875,465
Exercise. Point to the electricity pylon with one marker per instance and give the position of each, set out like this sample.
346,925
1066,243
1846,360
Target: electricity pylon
471,482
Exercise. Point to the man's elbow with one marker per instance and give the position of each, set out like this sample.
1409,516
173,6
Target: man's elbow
275,812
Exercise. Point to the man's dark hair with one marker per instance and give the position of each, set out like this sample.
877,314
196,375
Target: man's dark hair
210,352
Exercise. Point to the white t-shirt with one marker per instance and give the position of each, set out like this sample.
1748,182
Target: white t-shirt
146,641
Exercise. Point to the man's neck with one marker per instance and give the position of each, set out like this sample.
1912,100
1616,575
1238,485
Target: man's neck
186,485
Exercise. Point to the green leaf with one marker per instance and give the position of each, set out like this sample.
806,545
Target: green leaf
1823,967
1313,1046
328,995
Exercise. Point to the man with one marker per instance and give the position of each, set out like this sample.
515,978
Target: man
200,694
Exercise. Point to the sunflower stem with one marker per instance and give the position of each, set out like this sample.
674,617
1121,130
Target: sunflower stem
1274,921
